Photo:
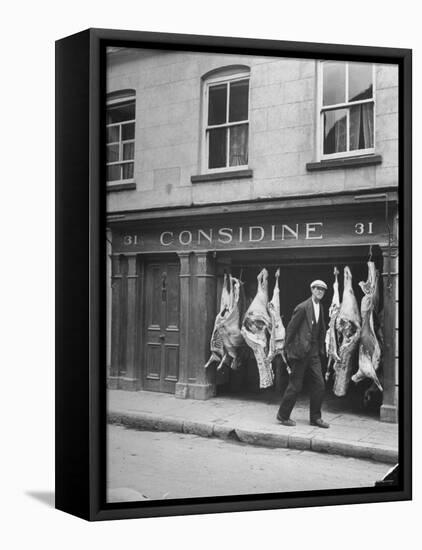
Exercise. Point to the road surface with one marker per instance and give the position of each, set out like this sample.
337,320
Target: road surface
165,465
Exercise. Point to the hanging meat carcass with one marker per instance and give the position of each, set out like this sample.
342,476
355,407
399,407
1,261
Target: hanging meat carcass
256,324
378,328
331,337
229,324
369,348
348,325
216,343
373,391
278,332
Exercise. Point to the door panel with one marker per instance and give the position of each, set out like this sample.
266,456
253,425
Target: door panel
154,361
162,295
173,299
171,363
154,294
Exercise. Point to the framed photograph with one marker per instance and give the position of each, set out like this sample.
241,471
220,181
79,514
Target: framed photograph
233,274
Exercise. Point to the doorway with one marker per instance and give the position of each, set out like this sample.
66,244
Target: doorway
297,270
161,322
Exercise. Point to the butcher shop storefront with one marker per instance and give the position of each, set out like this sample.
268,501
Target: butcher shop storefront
183,281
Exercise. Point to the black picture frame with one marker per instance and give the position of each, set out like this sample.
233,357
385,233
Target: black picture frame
80,268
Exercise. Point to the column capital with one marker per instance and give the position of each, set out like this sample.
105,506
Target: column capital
131,262
184,258
115,266
391,251
140,266
204,263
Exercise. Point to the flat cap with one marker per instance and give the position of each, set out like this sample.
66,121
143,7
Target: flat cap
320,283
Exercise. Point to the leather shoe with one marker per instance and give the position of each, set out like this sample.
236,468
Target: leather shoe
320,423
286,421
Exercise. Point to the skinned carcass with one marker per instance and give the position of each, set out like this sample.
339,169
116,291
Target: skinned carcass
229,325
348,325
378,324
278,332
216,343
369,348
331,337
256,324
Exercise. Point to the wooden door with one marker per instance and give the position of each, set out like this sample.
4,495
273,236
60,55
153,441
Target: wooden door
162,297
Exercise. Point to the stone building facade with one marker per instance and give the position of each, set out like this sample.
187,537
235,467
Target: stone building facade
229,163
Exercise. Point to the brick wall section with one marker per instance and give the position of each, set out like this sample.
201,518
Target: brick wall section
282,130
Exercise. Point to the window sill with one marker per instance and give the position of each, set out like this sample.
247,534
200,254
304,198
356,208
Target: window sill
347,162
220,176
126,185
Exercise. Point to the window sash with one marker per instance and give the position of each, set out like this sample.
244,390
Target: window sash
348,152
226,125
121,143
120,162
347,85
227,129
122,167
347,105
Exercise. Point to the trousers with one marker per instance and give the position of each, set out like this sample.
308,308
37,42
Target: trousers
310,366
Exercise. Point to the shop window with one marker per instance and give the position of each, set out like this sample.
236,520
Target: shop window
120,137
226,122
347,109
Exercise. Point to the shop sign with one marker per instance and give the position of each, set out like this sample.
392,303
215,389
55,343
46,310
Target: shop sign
327,230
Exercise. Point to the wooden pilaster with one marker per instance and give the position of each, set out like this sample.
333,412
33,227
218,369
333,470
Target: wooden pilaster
109,297
203,317
140,320
389,408
130,379
197,314
185,300
116,330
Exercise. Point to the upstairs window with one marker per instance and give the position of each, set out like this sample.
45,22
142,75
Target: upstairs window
120,132
227,122
347,109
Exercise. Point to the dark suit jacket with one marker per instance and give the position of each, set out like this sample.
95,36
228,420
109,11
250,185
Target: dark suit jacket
299,331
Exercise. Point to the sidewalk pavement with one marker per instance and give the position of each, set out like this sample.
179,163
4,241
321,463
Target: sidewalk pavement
253,421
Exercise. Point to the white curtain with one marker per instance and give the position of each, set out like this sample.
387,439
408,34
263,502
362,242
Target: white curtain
340,135
368,124
239,145
361,127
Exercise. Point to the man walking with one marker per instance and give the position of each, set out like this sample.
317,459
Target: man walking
305,345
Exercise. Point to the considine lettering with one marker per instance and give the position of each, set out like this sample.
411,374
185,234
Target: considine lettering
251,234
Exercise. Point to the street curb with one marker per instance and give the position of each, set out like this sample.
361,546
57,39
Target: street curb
152,422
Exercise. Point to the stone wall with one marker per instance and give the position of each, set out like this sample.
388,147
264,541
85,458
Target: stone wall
282,130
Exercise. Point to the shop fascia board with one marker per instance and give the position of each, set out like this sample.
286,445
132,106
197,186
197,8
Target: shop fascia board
349,198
